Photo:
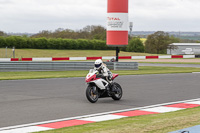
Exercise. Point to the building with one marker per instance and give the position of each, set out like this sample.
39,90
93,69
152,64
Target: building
184,48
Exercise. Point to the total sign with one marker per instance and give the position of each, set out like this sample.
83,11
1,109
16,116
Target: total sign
117,23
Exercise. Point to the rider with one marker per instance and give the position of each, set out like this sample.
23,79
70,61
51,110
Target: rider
104,71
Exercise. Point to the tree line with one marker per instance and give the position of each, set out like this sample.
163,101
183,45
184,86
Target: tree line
89,32
155,43
52,43
90,37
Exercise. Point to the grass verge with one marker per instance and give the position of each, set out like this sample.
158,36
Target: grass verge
66,74
29,53
171,62
156,123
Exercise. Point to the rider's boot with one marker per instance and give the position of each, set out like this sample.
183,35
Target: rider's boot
108,90
111,86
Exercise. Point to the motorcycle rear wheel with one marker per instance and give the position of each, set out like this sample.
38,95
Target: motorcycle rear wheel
92,94
118,95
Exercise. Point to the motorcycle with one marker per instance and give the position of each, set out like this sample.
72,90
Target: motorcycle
99,87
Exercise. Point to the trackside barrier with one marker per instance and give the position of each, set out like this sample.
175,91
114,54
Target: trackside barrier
62,66
165,57
9,59
188,56
94,58
108,58
125,66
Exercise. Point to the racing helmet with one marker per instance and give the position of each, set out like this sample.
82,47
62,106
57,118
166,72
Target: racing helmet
98,64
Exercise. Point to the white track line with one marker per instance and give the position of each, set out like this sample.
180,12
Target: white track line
162,109
195,72
102,118
99,114
194,102
25,129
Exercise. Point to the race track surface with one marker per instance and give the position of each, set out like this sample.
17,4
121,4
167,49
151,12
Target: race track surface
29,101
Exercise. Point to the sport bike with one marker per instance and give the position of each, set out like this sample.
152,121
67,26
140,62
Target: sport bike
99,87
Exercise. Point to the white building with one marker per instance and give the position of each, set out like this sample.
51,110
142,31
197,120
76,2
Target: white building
184,48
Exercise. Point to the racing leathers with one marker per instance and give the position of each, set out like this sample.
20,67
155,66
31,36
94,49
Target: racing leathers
105,72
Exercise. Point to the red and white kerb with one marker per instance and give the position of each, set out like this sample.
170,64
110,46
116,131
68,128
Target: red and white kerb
117,23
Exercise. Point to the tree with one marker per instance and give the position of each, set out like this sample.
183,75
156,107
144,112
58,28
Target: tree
2,33
173,40
98,32
158,42
135,45
2,42
88,32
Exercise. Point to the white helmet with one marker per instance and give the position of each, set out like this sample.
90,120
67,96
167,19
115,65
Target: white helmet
98,64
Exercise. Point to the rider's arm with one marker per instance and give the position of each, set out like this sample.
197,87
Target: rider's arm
105,71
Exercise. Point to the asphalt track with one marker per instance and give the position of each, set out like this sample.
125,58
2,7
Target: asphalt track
29,101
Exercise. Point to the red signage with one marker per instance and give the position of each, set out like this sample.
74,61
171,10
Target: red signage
117,23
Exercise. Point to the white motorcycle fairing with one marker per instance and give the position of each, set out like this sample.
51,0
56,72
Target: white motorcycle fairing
100,83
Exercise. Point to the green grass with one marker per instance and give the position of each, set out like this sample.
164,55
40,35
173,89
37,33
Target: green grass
171,62
156,123
66,74
28,53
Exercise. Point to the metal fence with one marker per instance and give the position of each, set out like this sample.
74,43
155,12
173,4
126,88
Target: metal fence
62,66
6,53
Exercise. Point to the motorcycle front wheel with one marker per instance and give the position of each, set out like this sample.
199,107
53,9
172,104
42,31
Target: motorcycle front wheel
92,94
117,95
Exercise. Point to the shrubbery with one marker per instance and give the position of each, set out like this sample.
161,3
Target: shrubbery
135,45
57,43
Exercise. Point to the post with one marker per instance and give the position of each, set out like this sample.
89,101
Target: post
6,52
13,52
130,26
117,54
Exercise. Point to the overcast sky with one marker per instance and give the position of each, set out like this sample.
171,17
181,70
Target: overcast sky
33,16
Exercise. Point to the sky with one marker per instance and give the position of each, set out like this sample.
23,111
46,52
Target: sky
32,16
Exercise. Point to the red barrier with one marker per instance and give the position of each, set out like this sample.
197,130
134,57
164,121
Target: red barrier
124,57
151,57
93,58
177,56
27,59
14,59
60,58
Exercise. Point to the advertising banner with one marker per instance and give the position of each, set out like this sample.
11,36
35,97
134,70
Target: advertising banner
117,23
